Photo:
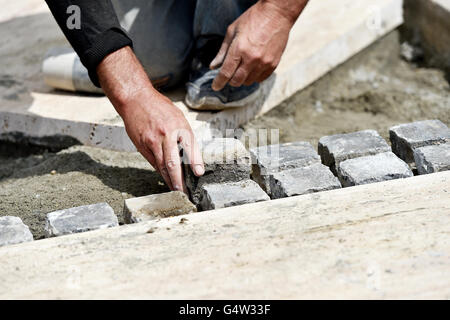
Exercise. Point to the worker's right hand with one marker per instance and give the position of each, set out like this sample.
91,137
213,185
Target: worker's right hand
255,42
153,123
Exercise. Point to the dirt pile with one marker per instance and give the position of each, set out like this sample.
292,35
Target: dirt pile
374,90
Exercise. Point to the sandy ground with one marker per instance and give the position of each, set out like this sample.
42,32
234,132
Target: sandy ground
376,89
22,60
33,185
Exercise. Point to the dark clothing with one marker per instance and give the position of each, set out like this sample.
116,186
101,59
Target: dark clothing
100,33
164,34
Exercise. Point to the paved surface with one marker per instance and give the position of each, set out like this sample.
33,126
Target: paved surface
384,240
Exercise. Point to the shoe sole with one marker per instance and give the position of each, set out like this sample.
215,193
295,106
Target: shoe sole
214,103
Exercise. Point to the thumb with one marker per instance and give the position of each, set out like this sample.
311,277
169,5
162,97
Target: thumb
220,57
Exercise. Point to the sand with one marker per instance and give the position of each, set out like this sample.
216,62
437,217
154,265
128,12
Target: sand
374,90
81,175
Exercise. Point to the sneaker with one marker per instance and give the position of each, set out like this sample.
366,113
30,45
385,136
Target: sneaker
201,96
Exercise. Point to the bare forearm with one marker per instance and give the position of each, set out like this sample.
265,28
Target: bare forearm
122,77
289,8
153,123
255,42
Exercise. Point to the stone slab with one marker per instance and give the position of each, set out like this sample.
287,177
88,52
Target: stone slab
80,219
157,206
13,231
39,112
407,137
386,240
337,148
224,195
225,159
294,182
267,160
17,9
371,169
432,159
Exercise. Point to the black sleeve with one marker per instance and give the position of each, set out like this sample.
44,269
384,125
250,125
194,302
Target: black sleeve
99,32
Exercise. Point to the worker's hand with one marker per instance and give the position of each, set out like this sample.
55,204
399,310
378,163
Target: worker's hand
154,124
156,127
254,43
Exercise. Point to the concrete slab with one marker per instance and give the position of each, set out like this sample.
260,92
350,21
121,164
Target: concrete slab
225,160
34,110
16,9
386,240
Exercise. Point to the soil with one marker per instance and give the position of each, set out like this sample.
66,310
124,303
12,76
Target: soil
35,184
374,90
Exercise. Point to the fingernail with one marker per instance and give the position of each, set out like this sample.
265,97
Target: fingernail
199,170
177,188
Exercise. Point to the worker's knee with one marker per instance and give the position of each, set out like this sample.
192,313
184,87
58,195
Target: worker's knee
166,68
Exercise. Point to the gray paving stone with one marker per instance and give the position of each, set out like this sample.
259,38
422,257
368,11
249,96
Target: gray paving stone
157,206
80,219
309,179
432,159
13,231
267,160
337,148
215,196
371,169
226,160
407,137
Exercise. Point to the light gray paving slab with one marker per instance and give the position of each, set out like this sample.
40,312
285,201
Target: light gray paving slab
225,159
299,181
407,137
216,196
13,231
432,159
80,219
371,169
267,160
340,147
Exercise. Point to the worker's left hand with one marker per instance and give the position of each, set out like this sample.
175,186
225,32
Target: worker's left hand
253,46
